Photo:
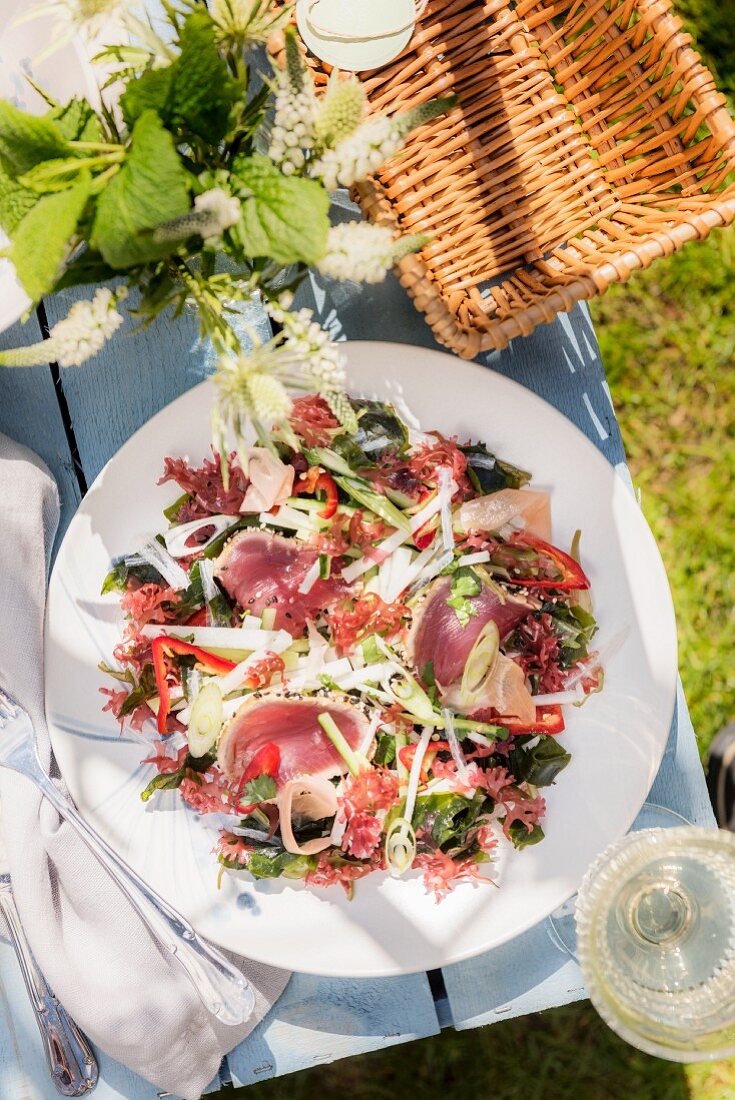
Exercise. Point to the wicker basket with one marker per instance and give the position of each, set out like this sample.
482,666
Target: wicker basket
588,141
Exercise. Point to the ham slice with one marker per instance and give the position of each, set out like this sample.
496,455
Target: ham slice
261,570
529,507
438,636
293,725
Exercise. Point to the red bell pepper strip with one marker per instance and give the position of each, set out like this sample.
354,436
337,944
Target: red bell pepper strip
573,575
266,761
326,484
423,538
163,646
407,753
549,719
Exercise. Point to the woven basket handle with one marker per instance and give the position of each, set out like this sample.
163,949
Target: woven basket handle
325,32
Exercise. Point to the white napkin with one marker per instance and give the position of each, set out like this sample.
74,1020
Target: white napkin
129,997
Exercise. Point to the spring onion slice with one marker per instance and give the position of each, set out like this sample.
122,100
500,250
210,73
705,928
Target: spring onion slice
355,761
454,745
156,555
205,720
480,664
415,773
176,537
400,847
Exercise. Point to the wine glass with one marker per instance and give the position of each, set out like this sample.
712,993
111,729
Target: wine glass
561,924
656,941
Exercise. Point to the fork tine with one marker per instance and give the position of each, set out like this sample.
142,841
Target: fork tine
8,708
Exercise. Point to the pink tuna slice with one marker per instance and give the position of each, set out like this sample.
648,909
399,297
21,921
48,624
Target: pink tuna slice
261,570
293,725
438,636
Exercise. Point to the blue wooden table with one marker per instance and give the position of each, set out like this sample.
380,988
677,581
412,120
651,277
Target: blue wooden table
76,422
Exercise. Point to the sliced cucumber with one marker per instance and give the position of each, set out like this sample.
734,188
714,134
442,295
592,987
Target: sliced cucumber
205,720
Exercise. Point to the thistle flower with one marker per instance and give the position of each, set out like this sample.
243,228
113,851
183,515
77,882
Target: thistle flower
341,111
247,22
253,387
364,252
75,339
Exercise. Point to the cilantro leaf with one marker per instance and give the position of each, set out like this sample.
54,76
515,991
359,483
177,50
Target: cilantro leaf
283,217
259,789
150,188
41,242
25,139
465,584
195,93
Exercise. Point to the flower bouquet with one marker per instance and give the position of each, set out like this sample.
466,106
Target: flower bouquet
205,184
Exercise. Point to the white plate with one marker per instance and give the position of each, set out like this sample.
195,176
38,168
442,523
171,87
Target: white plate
66,73
391,927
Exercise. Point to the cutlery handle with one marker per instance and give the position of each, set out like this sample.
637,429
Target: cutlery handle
71,1063
221,987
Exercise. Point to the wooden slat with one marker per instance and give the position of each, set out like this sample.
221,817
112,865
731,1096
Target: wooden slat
29,413
318,1020
133,377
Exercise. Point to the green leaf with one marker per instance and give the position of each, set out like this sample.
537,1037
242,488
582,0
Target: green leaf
166,782
77,121
15,202
488,473
150,92
521,837
87,268
379,428
25,139
42,241
195,93
283,217
150,188
258,790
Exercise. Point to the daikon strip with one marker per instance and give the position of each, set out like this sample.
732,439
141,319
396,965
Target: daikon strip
454,746
220,637
474,559
364,564
157,556
432,570
312,576
234,679
398,575
447,488
290,519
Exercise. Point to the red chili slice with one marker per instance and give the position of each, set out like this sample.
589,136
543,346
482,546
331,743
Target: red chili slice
163,646
266,761
549,719
407,753
326,484
573,575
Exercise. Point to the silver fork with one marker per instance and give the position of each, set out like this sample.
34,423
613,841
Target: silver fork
221,987
71,1063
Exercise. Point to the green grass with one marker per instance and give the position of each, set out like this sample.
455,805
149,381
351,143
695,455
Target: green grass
668,344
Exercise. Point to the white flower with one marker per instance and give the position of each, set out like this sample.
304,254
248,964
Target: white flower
365,253
360,154
225,208
293,124
86,329
322,362
359,251
81,334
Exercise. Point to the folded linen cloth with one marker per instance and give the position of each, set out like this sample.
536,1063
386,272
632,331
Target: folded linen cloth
123,990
